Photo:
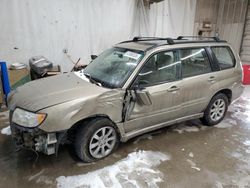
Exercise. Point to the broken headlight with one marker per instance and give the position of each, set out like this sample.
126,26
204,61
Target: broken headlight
26,118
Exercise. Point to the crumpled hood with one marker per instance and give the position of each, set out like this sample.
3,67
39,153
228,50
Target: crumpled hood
50,91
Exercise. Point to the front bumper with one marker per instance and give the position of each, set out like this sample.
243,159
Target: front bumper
35,139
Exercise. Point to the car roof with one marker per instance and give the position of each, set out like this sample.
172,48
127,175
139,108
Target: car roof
139,45
148,43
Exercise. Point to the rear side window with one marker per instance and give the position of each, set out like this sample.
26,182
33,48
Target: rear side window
194,62
224,57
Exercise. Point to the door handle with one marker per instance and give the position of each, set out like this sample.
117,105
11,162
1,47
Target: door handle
173,88
211,79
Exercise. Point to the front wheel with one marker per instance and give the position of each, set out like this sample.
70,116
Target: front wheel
216,110
96,140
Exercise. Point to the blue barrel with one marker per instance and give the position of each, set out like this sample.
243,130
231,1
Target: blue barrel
5,79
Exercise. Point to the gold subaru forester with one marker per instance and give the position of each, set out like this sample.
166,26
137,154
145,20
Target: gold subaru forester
133,88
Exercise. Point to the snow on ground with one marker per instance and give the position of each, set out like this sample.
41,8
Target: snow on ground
45,179
191,154
36,175
136,170
241,108
6,131
226,123
193,165
241,179
39,177
186,128
246,142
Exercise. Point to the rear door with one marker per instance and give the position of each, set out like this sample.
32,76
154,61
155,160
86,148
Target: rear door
198,79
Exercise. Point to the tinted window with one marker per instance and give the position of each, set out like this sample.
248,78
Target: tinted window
194,62
160,68
224,57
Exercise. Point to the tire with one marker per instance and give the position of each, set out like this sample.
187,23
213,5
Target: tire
216,110
88,148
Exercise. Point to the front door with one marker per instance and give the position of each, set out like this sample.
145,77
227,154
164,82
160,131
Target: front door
159,77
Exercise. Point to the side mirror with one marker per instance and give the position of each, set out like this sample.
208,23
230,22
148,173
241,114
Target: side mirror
93,57
142,95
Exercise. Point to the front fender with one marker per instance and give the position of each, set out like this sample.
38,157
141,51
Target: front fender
63,116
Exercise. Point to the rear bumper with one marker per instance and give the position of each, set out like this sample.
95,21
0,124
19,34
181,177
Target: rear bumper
35,139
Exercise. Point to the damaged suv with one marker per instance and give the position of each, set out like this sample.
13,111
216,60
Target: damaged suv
133,88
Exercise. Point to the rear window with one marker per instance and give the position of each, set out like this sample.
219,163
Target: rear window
224,56
194,62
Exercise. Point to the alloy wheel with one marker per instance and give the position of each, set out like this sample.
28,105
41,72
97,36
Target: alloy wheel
217,110
102,142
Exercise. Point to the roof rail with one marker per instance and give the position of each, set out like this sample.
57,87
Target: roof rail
178,40
199,37
137,39
169,40
146,38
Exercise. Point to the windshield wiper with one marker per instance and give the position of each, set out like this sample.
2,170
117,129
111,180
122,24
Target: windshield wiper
91,79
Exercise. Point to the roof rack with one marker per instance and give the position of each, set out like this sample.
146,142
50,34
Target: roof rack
198,37
178,40
137,39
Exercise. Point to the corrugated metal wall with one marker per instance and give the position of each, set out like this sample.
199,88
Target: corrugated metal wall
206,11
245,48
227,18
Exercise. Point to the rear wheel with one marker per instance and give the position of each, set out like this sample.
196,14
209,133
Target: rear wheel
216,110
96,140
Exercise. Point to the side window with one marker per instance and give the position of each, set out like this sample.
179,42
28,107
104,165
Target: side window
224,56
161,67
194,62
